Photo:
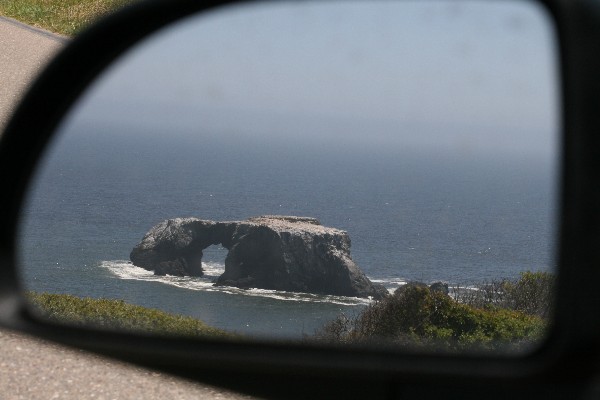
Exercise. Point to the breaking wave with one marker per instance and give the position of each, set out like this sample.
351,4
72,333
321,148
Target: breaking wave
391,284
126,270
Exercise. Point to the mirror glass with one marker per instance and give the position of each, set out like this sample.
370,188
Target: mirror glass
355,172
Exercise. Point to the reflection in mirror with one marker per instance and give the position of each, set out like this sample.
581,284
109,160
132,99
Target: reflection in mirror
361,172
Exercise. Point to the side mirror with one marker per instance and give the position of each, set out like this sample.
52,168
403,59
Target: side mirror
267,167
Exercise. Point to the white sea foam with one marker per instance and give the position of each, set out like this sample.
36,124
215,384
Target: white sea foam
213,269
391,284
126,270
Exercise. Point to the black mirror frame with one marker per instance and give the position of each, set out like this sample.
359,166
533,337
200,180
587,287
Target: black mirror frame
562,367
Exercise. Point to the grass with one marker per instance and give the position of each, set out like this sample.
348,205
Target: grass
66,17
118,315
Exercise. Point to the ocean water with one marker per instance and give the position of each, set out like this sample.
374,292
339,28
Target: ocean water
426,215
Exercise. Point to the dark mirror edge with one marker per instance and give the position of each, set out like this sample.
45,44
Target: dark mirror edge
569,355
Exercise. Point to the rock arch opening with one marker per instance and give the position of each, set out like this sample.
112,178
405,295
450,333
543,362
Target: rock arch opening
213,260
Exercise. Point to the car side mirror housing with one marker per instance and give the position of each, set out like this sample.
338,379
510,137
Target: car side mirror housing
564,363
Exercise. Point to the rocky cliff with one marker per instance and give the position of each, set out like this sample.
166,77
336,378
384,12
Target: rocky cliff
269,252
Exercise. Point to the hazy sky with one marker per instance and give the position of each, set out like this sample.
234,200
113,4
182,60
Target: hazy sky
472,76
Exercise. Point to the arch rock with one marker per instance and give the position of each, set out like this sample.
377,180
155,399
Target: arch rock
288,253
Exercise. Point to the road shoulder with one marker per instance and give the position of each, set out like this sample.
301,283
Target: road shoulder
31,368
24,51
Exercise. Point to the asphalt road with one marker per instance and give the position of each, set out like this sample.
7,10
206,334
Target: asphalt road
34,369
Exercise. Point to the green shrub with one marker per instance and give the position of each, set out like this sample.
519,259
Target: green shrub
532,294
117,315
417,316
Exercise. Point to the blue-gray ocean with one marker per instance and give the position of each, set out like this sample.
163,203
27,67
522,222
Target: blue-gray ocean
459,218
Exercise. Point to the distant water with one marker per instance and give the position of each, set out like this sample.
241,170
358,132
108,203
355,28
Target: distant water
427,217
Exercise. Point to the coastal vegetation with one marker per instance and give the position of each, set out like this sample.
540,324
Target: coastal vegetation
530,294
66,17
117,315
502,315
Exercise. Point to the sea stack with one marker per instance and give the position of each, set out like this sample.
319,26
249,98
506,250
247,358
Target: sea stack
295,254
